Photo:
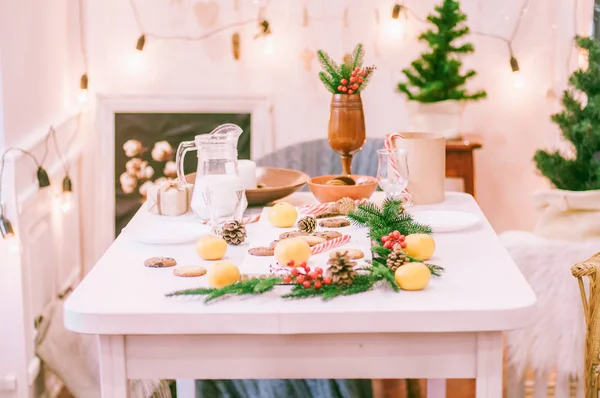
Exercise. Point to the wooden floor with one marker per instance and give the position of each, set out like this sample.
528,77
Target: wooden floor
456,388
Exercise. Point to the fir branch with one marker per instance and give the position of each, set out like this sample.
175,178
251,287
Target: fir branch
329,65
328,82
358,55
361,283
249,287
435,270
382,272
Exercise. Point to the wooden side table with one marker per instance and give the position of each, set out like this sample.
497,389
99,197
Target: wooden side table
459,159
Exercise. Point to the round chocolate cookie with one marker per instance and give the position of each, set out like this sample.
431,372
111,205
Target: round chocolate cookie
189,271
292,234
262,251
337,222
160,262
329,235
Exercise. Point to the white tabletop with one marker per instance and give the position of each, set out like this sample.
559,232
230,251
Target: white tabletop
481,290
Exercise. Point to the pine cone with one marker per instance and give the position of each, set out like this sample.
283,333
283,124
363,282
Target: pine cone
341,269
307,224
345,206
396,258
234,232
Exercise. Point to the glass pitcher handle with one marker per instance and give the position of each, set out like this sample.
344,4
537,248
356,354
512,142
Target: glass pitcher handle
184,147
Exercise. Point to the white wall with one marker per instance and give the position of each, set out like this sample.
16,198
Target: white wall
39,72
513,122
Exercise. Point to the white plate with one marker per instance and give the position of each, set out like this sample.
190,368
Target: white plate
445,220
162,230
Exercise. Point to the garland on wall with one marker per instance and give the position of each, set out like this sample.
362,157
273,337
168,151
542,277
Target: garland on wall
64,199
207,15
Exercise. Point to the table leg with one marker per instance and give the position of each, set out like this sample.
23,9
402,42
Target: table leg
436,388
489,365
186,388
113,375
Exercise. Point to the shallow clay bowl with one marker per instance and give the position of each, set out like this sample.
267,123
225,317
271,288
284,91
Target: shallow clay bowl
277,184
330,193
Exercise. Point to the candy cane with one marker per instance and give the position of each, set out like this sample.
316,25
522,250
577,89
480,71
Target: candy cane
330,244
247,220
314,209
389,145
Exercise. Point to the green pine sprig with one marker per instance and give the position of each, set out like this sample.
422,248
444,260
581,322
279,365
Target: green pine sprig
333,74
385,219
249,287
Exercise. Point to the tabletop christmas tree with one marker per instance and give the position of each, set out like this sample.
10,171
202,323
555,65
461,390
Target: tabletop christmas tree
580,124
436,76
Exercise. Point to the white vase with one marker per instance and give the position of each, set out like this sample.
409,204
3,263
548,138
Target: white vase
441,118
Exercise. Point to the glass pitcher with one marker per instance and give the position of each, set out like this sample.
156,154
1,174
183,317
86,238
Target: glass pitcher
217,172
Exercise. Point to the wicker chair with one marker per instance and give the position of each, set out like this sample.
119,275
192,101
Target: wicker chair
590,268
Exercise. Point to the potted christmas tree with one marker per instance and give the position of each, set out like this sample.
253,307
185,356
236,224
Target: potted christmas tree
574,207
434,85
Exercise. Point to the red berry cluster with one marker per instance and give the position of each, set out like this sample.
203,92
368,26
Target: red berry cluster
307,278
392,239
356,80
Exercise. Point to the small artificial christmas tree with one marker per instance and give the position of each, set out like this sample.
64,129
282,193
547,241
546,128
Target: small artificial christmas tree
580,124
436,75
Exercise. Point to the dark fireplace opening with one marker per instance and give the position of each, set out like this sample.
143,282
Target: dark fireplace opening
145,146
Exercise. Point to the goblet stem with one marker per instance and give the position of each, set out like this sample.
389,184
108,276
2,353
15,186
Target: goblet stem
346,164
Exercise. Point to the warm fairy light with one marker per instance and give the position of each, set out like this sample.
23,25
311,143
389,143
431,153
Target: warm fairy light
64,201
83,96
518,79
134,62
268,45
83,88
396,26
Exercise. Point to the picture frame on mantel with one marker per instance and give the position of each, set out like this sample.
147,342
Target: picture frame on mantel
101,232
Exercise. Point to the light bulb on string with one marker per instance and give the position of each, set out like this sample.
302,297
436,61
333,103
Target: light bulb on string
396,26
266,35
64,200
83,88
516,73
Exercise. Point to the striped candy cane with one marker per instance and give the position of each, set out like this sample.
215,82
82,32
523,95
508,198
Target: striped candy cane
389,146
330,244
246,220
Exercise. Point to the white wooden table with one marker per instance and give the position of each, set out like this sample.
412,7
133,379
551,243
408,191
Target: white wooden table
453,329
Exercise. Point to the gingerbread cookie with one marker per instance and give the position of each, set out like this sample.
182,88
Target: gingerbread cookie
274,243
329,235
354,254
189,271
337,222
262,251
313,240
160,262
292,234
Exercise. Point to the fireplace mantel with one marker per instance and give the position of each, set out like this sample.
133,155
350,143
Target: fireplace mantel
103,143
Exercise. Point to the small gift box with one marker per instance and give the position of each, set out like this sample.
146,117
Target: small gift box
169,199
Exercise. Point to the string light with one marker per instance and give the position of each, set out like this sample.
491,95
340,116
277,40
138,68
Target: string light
64,201
141,41
83,88
396,26
83,80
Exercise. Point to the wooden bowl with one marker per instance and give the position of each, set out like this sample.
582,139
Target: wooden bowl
330,193
277,184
